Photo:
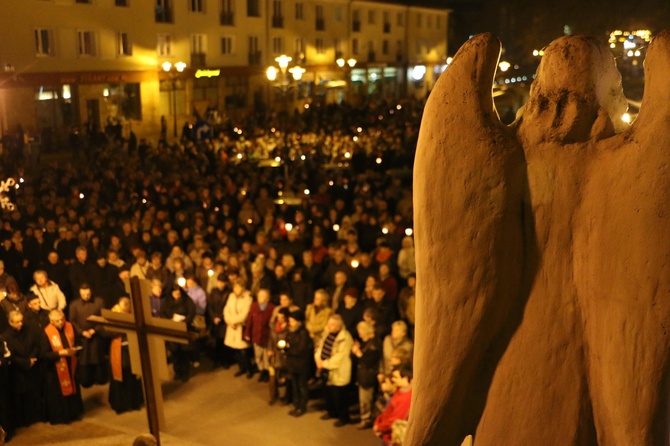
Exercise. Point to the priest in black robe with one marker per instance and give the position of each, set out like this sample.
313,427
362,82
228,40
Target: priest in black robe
125,389
25,379
5,359
62,395
91,363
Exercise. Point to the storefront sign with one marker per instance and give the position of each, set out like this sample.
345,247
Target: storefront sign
207,73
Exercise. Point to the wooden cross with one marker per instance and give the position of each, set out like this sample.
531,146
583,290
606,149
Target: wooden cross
146,344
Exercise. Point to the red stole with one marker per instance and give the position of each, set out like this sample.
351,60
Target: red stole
65,375
115,354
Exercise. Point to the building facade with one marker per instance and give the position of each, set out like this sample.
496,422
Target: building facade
66,64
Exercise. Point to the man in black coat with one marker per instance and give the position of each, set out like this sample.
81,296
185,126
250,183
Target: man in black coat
216,301
105,281
35,318
57,271
299,351
386,311
5,420
36,250
351,310
180,308
369,353
81,271
25,379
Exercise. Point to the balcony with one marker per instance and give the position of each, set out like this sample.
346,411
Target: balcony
227,19
387,28
372,56
198,60
163,15
320,25
278,21
356,26
255,58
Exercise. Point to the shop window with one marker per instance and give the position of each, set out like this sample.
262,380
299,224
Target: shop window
125,98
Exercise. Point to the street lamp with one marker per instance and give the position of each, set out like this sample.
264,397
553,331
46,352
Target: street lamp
347,65
283,79
179,67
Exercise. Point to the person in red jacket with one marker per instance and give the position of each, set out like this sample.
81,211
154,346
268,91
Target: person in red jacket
398,407
257,331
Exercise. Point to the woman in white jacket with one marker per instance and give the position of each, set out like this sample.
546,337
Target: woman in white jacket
49,293
333,356
235,315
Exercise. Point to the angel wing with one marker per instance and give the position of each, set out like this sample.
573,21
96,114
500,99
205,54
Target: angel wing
469,194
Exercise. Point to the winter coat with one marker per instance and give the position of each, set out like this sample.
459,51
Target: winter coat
315,322
278,361
216,302
51,296
299,349
339,363
388,346
182,306
257,327
368,364
236,312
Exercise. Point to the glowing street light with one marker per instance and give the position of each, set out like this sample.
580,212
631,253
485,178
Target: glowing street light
504,66
284,80
347,65
179,67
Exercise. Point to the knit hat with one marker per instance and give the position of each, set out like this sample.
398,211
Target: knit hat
30,296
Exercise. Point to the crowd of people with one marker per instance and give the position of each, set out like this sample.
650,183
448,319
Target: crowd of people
301,274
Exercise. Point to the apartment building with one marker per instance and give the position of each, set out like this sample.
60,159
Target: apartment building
70,63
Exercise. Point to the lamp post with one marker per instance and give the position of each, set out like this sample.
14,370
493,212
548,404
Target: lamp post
283,79
179,67
347,65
